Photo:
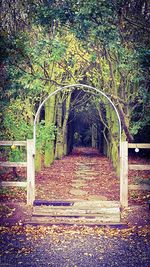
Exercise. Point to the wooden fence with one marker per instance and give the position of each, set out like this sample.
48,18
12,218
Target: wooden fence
125,167
30,183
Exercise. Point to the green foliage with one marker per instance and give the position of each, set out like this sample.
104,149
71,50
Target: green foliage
135,127
16,130
3,47
140,121
16,122
144,59
58,50
50,11
47,54
45,133
96,18
17,155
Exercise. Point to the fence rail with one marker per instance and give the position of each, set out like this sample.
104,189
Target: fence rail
12,164
11,143
132,145
13,184
139,167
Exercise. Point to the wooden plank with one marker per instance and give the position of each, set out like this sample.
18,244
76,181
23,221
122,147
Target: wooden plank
131,145
124,174
77,203
73,208
13,164
30,173
111,217
139,167
53,203
95,203
10,143
74,222
13,184
142,187
78,221
102,217
75,211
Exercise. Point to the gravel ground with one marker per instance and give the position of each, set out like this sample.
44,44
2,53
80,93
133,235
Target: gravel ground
74,250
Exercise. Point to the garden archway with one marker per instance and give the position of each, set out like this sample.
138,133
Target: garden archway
72,87
123,182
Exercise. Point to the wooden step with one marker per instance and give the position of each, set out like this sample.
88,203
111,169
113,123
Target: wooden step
95,217
75,212
77,203
73,221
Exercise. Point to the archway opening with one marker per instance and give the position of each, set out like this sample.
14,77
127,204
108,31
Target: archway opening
83,116
66,99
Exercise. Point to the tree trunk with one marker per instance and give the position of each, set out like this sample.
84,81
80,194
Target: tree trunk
59,139
62,129
94,136
38,160
113,135
65,128
49,119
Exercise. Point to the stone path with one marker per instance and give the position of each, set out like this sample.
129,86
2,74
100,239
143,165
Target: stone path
82,175
85,172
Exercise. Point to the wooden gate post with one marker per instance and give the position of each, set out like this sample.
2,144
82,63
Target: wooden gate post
124,174
30,172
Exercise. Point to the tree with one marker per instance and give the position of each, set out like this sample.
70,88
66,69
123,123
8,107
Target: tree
48,44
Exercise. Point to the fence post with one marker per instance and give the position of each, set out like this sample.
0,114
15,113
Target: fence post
124,174
30,172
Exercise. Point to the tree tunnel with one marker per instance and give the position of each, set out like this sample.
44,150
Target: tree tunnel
84,124
82,116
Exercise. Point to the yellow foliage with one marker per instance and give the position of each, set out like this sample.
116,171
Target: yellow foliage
13,147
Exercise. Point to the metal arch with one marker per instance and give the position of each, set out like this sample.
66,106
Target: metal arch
70,86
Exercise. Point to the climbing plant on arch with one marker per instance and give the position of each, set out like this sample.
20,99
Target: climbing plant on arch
123,184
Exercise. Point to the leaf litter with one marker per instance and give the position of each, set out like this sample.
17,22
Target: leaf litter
55,182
